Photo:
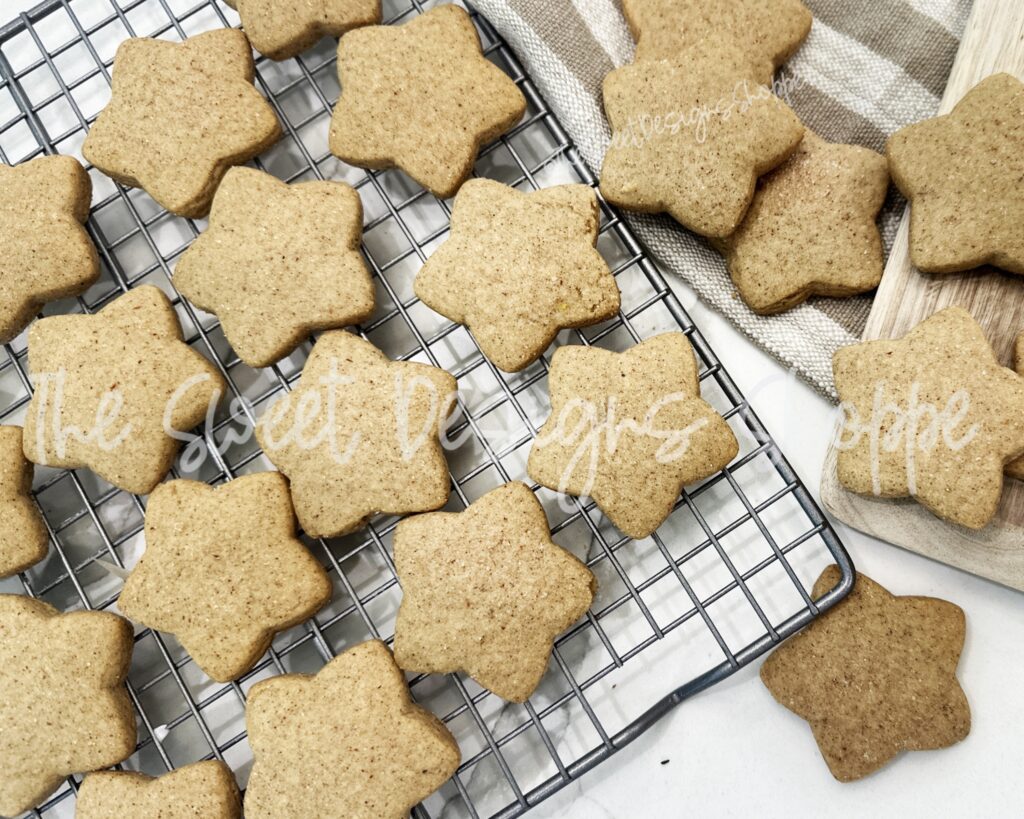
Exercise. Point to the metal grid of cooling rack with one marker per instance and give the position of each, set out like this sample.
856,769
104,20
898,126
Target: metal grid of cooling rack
722,581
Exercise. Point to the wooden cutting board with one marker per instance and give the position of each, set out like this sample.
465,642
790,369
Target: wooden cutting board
993,42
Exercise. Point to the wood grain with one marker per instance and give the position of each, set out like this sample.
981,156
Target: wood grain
993,42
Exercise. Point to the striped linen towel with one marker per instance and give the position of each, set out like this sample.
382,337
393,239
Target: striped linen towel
866,70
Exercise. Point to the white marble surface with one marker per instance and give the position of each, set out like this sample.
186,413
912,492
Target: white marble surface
732,751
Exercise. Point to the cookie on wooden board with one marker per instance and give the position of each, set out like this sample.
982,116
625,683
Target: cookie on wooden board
47,254
315,737
421,97
767,31
629,430
874,676
281,30
63,705
223,570
181,114
932,416
518,267
691,135
810,229
23,537
110,387
203,790
277,263
1015,469
359,436
486,591
962,174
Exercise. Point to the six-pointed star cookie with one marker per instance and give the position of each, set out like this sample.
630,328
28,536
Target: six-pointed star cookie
110,387
283,29
315,738
359,436
630,430
811,228
1015,469
46,254
486,591
63,706
203,789
23,537
691,135
180,114
421,96
767,31
874,676
931,416
519,267
963,174
278,262
223,571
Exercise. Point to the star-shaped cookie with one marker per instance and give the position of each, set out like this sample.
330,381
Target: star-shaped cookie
691,135
810,229
519,267
180,114
767,31
63,705
1015,469
23,537
421,96
931,416
874,676
203,789
282,30
223,571
629,430
47,254
359,436
315,738
486,591
110,389
277,263
963,173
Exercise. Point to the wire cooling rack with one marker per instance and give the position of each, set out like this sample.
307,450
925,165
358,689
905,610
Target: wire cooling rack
724,579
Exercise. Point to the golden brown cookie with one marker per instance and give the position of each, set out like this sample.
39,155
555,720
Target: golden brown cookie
47,254
203,790
874,676
486,591
181,114
23,537
223,571
962,174
110,387
314,739
519,267
278,262
63,705
932,416
691,135
283,29
767,31
422,97
359,436
1015,469
810,229
629,430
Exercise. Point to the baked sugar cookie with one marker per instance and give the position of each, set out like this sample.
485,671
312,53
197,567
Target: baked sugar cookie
1015,469
223,571
487,591
629,430
519,267
422,97
47,254
203,789
277,263
283,29
314,739
181,114
63,705
23,537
